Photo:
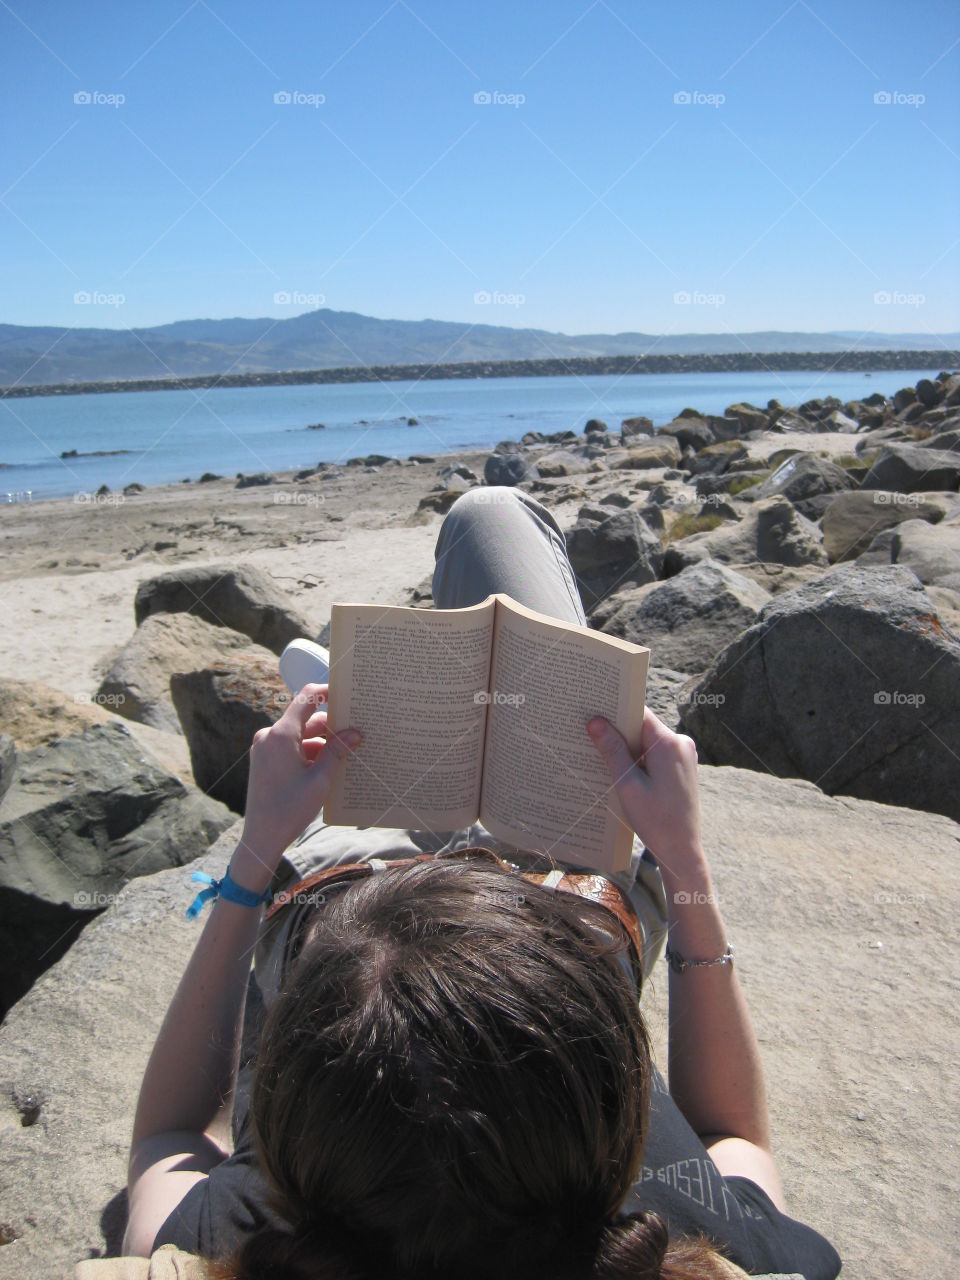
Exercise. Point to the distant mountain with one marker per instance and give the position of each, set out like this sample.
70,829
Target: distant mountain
328,339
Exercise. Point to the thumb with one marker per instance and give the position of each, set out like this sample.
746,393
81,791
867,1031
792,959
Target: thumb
612,746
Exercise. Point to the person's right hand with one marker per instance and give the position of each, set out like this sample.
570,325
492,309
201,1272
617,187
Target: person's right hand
658,790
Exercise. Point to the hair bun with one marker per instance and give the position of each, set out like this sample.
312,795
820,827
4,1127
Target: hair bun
631,1247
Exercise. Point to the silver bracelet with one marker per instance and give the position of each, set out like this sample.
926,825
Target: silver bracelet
677,963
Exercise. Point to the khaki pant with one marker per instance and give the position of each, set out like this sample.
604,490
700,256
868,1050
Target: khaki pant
492,539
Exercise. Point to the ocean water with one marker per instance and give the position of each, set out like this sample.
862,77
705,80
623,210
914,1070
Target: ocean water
167,436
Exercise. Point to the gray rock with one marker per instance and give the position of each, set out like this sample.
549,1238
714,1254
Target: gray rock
612,554
853,520
690,433
771,531
932,551
508,468
220,708
658,451
749,417
458,472
717,458
905,468
801,477
137,682
638,426
849,681
241,598
663,689
561,462
85,814
8,762
688,619
930,393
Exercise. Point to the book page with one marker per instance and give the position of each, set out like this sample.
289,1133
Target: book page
414,682
545,785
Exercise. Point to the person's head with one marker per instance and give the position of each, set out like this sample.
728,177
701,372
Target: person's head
454,1082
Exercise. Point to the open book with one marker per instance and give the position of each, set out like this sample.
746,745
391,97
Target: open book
479,714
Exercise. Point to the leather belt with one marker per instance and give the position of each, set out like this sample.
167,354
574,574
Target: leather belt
590,885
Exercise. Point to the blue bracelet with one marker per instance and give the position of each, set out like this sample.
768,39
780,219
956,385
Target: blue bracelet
227,889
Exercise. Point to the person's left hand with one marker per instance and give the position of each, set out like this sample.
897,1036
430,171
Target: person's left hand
292,767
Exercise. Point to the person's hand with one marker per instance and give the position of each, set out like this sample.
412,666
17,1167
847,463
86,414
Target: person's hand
292,767
658,790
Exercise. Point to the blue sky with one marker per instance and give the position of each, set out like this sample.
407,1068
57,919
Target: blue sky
582,197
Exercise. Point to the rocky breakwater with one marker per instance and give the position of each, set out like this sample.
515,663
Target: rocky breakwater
794,570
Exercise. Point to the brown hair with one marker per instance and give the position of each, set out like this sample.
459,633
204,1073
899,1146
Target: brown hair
454,1082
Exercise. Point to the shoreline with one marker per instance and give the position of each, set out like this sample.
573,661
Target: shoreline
866,361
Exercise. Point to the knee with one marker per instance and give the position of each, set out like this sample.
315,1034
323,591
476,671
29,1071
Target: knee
476,502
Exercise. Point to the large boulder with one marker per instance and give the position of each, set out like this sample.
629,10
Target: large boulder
561,462
658,451
932,551
221,707
137,682
772,531
907,468
241,598
611,554
800,478
849,681
508,469
690,433
83,815
819,895
853,520
686,620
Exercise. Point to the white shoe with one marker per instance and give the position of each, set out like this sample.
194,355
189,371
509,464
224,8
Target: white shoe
304,662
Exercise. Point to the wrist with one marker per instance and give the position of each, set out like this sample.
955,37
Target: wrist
253,865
